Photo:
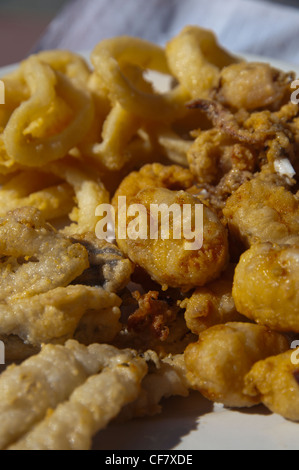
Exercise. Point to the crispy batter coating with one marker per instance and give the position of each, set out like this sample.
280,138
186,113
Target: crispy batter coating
212,305
35,259
253,86
54,316
266,286
90,407
108,266
275,382
224,354
169,262
263,210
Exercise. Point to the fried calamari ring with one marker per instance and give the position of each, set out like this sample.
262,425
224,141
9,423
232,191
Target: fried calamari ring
266,286
68,63
111,55
52,121
195,59
35,259
172,261
224,354
275,382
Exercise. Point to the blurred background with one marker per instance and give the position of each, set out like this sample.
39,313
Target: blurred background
24,22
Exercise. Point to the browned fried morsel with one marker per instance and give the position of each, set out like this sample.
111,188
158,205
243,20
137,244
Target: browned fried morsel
153,315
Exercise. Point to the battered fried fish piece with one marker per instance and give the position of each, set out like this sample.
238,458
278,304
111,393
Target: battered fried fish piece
266,286
212,305
54,316
40,383
89,408
263,210
108,266
173,262
253,86
35,259
275,382
224,354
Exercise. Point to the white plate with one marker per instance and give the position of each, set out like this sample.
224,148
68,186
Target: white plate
194,423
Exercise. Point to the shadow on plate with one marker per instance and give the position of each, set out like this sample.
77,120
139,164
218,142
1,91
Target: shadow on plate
165,431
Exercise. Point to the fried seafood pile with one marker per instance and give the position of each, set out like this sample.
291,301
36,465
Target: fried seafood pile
95,330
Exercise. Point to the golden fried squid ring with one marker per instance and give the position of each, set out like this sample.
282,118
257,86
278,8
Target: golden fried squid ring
52,121
109,57
70,64
195,59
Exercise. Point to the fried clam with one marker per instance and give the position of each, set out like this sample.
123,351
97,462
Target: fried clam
212,305
36,258
167,254
54,316
275,382
218,363
59,375
263,210
266,286
109,267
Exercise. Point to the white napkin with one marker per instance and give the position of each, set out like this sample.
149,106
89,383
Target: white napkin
248,26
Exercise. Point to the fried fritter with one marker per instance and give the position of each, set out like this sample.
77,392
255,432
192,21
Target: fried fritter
212,305
266,286
108,266
171,262
275,382
224,354
35,259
